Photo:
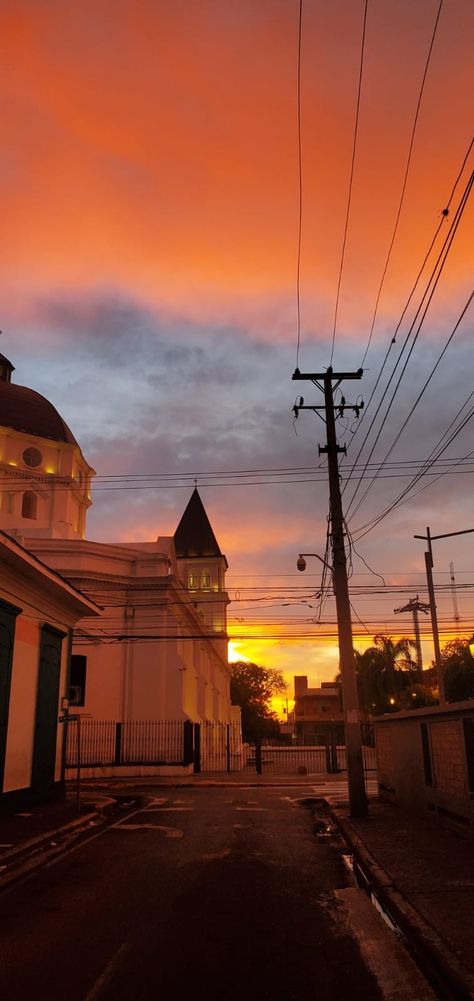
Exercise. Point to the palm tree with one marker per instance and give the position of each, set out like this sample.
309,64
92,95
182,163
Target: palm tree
384,670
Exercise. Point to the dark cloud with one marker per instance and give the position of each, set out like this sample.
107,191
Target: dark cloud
149,392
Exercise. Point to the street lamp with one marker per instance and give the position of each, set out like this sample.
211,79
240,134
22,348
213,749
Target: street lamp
301,562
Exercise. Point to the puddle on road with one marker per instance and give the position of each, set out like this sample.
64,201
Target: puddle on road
169,832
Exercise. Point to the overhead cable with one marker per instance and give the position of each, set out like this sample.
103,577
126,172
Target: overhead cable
351,178
423,309
404,184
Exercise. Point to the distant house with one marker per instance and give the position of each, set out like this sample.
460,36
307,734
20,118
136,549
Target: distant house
159,651
38,610
318,712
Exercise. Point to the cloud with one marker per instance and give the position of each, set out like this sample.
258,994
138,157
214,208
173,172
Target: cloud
149,251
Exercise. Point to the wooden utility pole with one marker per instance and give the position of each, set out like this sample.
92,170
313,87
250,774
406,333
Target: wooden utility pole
329,381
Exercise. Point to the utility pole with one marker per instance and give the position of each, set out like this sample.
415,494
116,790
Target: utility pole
434,618
453,593
327,382
415,606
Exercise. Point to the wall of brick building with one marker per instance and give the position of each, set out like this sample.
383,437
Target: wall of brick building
447,749
425,761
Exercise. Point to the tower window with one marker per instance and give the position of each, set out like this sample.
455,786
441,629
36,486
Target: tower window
193,582
29,505
206,580
32,457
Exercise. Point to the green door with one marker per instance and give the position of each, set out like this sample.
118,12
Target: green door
7,633
47,699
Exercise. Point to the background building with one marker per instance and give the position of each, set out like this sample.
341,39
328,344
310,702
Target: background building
318,712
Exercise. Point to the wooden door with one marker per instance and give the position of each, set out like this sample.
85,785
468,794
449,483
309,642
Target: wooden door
47,710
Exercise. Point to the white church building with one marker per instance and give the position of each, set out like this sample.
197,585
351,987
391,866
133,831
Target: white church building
158,651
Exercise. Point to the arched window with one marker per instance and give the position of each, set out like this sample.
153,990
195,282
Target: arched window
192,581
206,580
29,505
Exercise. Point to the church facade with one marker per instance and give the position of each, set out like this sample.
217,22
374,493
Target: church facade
158,651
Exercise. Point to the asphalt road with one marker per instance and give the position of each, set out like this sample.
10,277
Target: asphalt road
215,893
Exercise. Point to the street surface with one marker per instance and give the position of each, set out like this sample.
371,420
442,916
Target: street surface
220,893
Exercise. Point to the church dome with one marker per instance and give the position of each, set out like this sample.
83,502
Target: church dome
27,411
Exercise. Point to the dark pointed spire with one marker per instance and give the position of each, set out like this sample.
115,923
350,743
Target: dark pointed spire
194,535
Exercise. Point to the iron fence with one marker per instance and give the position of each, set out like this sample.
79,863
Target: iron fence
97,743
284,759
209,746
218,747
90,742
304,758
153,742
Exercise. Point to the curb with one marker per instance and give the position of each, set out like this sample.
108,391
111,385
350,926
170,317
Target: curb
34,844
27,855
208,784
431,953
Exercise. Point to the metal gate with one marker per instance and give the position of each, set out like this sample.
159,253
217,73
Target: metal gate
218,747
304,759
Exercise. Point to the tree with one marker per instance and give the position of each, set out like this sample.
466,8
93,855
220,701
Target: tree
458,667
252,687
416,697
384,671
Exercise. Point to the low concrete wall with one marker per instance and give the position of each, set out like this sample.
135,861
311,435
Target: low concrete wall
425,761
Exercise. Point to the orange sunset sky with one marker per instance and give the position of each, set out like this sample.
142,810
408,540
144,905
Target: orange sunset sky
150,206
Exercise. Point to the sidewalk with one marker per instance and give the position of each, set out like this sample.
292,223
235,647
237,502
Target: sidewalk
423,875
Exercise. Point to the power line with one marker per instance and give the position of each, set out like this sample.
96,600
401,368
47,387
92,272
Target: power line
349,195
444,216
404,184
410,414
399,468
428,295
300,186
307,635
403,496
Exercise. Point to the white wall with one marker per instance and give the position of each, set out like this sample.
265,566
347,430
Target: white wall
38,608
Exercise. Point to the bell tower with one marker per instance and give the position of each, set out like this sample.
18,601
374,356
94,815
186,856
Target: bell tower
202,566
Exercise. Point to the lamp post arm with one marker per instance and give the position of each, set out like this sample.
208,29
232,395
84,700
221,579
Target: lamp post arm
302,555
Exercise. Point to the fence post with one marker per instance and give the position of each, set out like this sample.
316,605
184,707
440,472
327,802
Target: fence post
196,751
118,744
258,756
328,750
333,739
227,747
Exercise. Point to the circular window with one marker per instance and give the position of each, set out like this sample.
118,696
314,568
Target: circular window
32,457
